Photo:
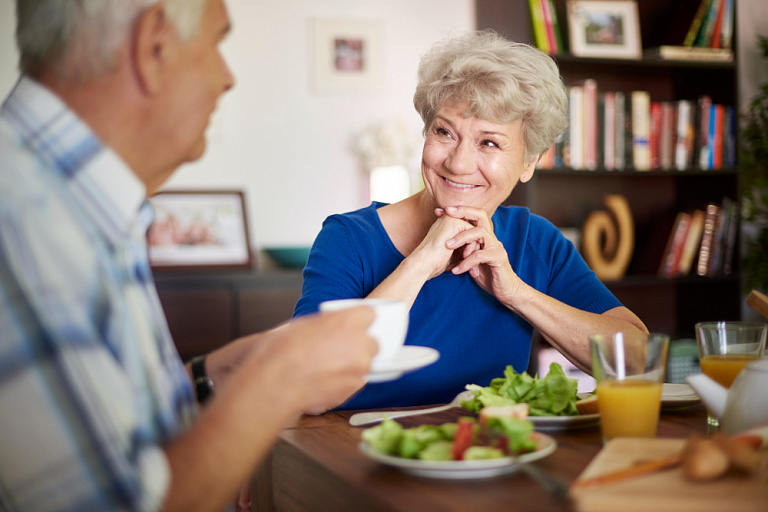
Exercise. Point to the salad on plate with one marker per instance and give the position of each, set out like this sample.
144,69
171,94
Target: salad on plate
552,395
467,439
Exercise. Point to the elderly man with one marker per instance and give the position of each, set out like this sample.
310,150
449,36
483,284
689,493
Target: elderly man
97,412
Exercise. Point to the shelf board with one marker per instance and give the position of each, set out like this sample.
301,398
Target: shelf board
674,173
634,281
648,62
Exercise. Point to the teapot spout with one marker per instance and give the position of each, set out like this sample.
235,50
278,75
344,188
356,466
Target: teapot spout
713,394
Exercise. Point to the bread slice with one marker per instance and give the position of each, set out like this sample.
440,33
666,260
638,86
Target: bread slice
587,405
519,411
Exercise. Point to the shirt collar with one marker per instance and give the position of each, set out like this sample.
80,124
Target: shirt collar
103,184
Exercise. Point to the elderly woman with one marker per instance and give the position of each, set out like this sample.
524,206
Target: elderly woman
479,276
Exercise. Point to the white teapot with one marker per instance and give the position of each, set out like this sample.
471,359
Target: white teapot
744,405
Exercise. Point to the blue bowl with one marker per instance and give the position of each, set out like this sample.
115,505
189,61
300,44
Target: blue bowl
289,257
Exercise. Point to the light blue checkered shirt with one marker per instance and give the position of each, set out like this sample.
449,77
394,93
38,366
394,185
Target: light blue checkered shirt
91,384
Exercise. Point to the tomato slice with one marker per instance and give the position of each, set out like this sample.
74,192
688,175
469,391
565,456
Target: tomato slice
463,438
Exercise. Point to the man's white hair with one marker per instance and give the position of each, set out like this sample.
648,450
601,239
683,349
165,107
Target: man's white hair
79,38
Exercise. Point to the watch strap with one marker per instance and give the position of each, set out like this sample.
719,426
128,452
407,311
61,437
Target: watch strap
203,383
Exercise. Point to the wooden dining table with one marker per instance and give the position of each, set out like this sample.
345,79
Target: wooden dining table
317,465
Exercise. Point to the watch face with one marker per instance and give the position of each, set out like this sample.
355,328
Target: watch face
203,389
203,383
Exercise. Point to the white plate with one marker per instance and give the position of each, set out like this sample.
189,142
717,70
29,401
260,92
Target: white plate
564,422
409,358
462,469
677,396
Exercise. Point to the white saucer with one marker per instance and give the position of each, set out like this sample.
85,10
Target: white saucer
409,358
677,396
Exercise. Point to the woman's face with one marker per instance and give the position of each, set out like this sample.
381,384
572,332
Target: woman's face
472,162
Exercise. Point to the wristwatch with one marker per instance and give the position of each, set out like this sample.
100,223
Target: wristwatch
203,383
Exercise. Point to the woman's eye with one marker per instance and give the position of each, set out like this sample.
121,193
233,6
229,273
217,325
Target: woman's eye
442,132
489,143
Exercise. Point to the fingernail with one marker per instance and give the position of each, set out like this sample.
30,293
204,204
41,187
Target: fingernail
452,241
451,209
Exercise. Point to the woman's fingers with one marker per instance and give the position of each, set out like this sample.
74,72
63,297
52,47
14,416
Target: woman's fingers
475,216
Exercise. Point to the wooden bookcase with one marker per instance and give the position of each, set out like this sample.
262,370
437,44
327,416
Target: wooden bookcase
566,196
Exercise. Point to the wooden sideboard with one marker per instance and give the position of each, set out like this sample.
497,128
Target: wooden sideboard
208,309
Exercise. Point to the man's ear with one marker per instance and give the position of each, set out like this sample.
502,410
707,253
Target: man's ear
152,39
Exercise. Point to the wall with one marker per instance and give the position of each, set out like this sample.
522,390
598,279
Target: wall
286,146
753,69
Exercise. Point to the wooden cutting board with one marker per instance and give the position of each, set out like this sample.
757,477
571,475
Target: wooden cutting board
667,490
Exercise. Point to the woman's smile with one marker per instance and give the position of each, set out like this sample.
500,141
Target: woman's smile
460,186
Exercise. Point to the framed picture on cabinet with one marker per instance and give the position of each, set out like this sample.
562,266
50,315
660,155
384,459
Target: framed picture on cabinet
200,229
348,56
604,29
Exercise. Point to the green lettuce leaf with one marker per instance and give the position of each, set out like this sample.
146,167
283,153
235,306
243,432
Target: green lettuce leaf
384,437
552,395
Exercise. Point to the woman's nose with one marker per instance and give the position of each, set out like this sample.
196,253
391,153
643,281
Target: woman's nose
461,160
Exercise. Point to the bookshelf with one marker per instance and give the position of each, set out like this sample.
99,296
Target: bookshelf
566,196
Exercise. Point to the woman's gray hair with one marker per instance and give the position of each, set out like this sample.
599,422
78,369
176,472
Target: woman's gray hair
500,80
79,38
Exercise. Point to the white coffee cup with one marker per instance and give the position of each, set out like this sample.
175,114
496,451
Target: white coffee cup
388,328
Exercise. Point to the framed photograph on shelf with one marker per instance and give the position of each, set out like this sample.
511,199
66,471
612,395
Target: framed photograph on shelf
199,229
604,29
348,56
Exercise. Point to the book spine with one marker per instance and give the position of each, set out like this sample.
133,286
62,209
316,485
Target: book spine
577,126
621,127
655,138
549,27
702,139
609,131
556,26
727,32
641,130
717,30
707,239
629,147
539,30
705,34
693,31
692,242
684,134
590,124
668,135
715,264
670,265
717,142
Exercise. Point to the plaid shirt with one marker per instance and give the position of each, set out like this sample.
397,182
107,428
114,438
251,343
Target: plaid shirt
91,384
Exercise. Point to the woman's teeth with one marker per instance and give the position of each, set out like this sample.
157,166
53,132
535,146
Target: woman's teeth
458,185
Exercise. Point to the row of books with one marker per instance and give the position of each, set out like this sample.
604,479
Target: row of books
546,28
615,131
712,26
702,241
709,38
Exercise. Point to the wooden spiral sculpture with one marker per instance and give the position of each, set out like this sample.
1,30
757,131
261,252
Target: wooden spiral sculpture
608,238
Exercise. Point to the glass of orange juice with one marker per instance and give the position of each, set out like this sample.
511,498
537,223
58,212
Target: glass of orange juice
726,347
629,370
